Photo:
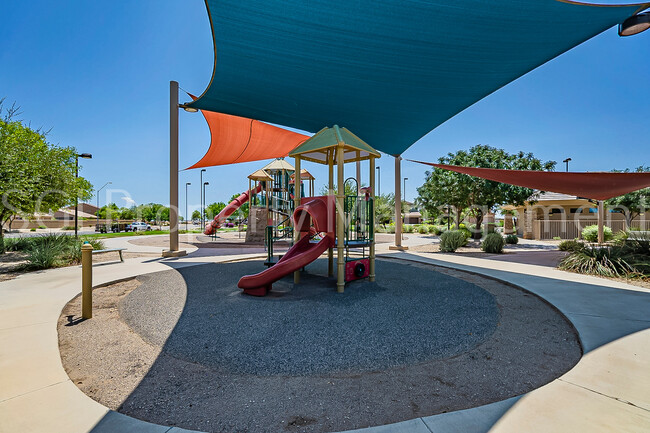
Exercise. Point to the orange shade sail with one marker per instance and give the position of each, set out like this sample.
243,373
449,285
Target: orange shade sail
593,185
236,139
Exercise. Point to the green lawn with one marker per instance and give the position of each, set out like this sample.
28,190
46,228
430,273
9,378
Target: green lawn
149,232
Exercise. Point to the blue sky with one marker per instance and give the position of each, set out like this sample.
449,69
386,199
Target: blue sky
97,74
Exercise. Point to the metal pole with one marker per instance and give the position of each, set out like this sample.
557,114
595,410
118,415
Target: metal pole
340,221
378,181
601,222
404,189
398,203
173,172
201,201
86,281
186,216
371,267
296,203
76,193
330,251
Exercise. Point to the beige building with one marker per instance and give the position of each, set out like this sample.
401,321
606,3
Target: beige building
564,216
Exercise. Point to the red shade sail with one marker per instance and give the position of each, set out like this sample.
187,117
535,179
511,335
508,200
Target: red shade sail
238,139
594,185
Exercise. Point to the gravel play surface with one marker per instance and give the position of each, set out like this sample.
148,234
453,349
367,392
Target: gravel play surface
186,348
407,316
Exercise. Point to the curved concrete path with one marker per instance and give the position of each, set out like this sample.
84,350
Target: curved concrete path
608,390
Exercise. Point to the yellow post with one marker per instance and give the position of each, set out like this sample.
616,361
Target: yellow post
86,281
296,203
371,270
330,251
340,222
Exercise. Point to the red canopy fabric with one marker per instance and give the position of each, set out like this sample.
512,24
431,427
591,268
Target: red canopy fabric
593,185
238,139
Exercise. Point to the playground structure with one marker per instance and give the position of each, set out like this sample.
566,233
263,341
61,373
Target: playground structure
344,222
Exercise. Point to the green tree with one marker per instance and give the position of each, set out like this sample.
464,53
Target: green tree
35,176
384,208
213,209
444,187
633,203
196,215
243,210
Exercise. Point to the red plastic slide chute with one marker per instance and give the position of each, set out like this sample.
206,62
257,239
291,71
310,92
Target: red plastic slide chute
228,210
320,210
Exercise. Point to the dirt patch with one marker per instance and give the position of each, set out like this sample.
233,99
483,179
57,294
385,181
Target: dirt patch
532,345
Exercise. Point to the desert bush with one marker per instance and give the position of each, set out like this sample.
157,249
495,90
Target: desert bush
590,233
407,228
42,227
451,240
493,243
423,230
390,228
512,239
602,261
67,228
435,230
571,245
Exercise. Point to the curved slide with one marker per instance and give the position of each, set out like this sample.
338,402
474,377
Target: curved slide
302,253
228,210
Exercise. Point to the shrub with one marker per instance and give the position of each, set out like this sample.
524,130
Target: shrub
512,239
423,230
380,229
390,228
451,240
17,244
42,227
493,243
33,229
407,228
67,228
435,230
557,238
590,233
604,261
571,245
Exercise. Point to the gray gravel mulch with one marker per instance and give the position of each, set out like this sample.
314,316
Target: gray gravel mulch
186,348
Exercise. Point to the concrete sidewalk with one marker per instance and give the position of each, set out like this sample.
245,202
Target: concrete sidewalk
608,390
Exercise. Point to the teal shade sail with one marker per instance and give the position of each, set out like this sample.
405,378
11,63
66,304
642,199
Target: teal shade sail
388,70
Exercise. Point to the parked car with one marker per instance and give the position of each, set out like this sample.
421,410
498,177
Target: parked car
138,226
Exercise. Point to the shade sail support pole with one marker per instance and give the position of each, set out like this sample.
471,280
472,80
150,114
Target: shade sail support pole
296,203
173,173
340,221
398,205
601,222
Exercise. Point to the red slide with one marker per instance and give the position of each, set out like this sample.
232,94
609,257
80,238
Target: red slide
228,210
303,252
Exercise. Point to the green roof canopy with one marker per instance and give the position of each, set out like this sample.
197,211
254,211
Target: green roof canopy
390,70
322,147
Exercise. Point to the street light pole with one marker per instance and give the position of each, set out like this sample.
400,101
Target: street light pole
186,185
378,181
204,184
404,193
98,191
566,161
76,193
201,205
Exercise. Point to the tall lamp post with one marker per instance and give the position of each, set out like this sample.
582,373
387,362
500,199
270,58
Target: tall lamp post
566,161
404,188
378,181
76,195
97,193
204,184
202,192
186,185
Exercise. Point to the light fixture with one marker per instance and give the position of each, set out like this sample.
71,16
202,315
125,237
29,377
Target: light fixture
189,109
85,155
634,24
